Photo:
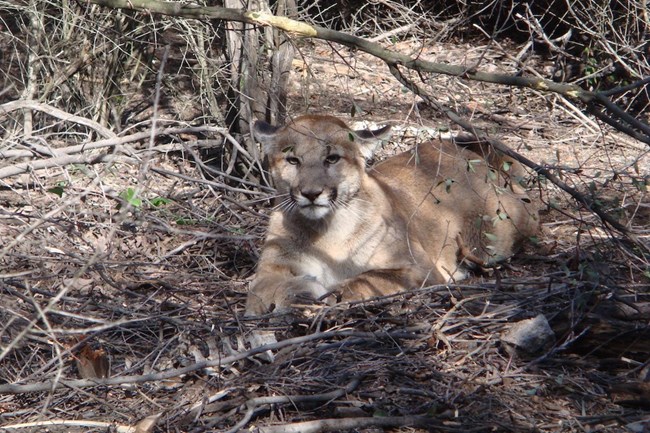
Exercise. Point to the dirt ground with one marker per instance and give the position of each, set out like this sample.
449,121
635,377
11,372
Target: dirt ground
158,289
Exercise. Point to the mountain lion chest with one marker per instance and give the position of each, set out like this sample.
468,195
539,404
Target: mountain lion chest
344,250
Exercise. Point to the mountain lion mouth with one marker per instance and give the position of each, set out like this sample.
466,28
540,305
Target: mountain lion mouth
314,211
314,206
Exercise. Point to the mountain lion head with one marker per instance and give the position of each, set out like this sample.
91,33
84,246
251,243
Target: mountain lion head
316,163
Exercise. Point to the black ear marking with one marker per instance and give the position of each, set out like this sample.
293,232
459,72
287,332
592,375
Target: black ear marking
262,129
367,134
369,140
266,135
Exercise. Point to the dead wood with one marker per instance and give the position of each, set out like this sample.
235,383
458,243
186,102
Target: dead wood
346,424
67,155
254,404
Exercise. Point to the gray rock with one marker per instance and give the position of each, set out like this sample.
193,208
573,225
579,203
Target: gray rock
528,337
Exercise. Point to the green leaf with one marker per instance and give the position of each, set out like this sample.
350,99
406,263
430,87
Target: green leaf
448,184
128,195
506,166
491,236
58,190
159,201
471,164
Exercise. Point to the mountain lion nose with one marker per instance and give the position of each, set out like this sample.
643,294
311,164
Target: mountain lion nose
311,194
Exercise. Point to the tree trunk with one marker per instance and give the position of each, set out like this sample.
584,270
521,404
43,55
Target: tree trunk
260,61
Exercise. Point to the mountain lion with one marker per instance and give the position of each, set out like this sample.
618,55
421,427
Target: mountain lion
340,232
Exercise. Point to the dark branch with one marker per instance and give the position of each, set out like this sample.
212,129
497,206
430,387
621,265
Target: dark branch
503,148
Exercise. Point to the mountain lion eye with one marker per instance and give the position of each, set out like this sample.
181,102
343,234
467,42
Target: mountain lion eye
292,160
332,159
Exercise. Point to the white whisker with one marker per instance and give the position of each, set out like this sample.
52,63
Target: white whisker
286,206
354,211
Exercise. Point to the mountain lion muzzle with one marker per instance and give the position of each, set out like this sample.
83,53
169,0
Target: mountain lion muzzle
419,218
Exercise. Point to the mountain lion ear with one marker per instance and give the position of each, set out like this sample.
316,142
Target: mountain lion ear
369,140
266,135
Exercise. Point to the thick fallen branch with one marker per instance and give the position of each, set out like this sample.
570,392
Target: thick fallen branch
67,155
144,426
345,424
117,141
62,161
59,423
254,404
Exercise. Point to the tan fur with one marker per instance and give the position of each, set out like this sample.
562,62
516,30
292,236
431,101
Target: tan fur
415,219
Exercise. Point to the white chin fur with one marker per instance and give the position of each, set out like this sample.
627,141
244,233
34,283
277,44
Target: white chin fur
314,212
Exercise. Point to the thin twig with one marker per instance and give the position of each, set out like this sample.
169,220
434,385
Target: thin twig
622,89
